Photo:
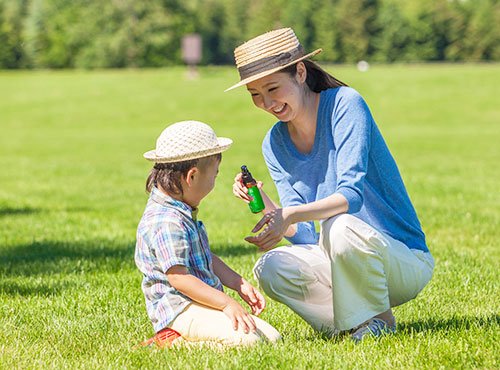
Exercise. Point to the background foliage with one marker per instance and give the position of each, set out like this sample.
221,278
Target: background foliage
128,33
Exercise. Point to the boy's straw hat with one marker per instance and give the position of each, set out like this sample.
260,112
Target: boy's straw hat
187,140
268,53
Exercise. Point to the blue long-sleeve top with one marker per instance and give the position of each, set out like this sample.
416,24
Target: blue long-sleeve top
349,157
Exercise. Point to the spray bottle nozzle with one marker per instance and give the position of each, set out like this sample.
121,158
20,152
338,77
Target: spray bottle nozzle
246,176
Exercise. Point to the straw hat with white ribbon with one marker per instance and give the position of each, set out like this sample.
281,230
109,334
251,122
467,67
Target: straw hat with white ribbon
268,53
187,140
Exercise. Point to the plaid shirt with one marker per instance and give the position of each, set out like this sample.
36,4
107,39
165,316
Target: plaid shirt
169,235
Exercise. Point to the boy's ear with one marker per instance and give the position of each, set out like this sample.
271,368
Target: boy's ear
191,175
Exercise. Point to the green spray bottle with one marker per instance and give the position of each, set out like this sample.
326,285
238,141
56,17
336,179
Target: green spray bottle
257,204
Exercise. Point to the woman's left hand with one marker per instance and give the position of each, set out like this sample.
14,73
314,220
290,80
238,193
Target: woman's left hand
276,226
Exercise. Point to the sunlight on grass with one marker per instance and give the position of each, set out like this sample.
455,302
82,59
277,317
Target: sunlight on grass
72,193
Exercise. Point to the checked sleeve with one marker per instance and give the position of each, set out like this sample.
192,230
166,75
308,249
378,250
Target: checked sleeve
171,246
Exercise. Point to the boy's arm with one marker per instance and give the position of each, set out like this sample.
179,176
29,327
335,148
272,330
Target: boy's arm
189,285
226,274
235,281
197,290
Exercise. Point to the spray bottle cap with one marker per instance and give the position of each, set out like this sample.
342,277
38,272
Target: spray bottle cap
246,175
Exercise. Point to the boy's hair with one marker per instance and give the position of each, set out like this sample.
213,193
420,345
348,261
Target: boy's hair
169,175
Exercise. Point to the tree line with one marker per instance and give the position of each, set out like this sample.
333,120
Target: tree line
130,33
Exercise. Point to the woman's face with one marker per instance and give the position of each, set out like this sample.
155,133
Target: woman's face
279,94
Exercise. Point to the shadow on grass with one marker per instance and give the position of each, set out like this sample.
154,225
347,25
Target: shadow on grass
42,267
54,257
235,250
13,288
430,326
451,324
26,211
21,211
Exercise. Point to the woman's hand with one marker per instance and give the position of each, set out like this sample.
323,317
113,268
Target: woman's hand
239,316
241,191
276,223
251,296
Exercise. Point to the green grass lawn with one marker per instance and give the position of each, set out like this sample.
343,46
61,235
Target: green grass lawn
72,192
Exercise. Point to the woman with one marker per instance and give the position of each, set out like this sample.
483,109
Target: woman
330,164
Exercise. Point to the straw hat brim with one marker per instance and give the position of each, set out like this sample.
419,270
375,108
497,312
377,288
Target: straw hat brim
223,144
272,70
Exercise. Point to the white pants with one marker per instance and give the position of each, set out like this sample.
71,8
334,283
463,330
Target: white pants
371,272
203,324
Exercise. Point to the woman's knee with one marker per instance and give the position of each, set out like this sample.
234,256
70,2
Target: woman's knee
277,272
336,234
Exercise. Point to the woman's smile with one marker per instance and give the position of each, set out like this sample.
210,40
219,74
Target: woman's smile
279,109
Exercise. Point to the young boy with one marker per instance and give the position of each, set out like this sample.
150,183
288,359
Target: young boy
183,279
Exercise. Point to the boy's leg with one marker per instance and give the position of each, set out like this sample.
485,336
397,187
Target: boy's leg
199,323
299,277
371,272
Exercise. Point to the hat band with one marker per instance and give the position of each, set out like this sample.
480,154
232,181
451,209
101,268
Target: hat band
271,62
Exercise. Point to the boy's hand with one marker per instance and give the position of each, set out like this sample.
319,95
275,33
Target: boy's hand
239,316
252,297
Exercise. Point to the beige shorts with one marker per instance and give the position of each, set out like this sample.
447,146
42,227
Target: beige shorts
203,324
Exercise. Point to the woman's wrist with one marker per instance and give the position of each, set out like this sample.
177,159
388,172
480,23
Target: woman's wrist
317,210
289,215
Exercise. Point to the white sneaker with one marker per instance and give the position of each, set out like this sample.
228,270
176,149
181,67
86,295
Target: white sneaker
375,327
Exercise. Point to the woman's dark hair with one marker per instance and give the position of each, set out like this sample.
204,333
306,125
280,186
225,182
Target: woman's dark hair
169,175
317,78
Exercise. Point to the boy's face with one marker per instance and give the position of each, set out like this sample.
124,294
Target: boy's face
203,182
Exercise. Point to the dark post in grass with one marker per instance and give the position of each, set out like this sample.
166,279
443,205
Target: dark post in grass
191,53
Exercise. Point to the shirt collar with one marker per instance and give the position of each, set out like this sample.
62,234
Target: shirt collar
161,198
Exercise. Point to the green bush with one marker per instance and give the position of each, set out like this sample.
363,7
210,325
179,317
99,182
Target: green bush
128,33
